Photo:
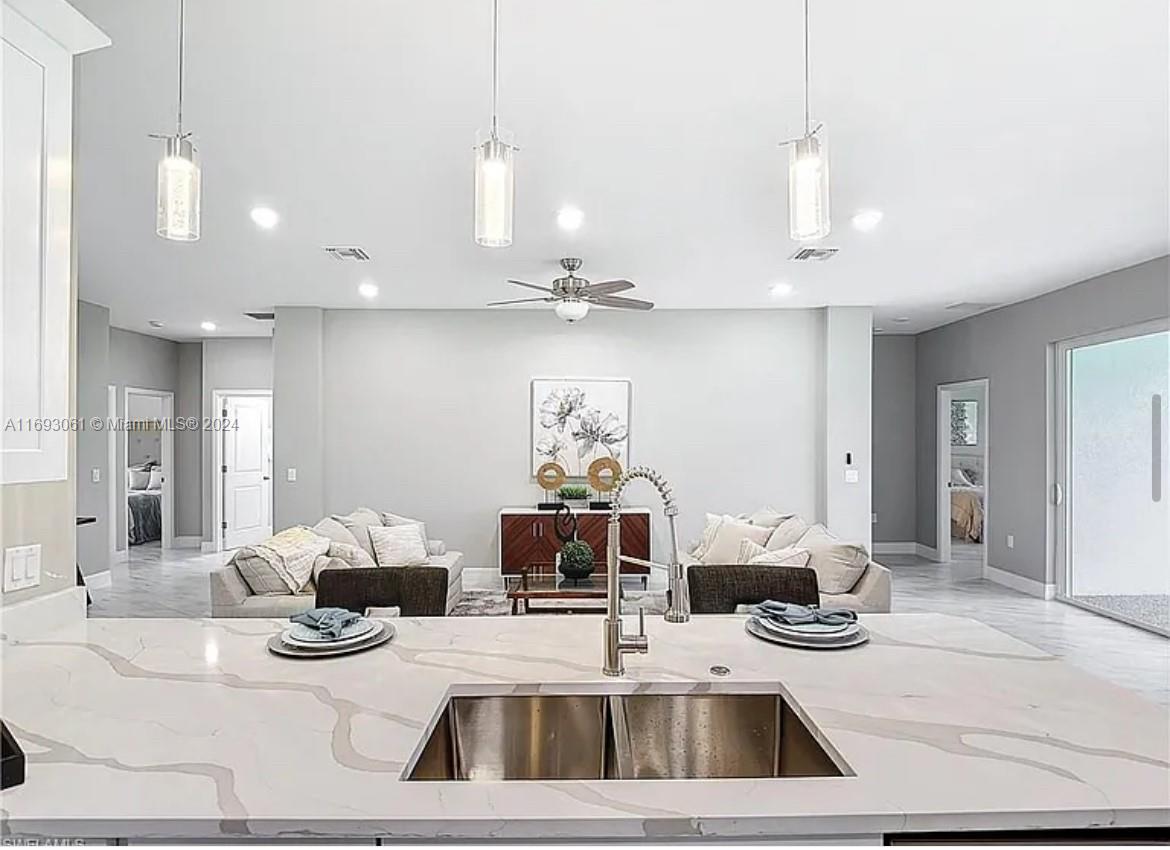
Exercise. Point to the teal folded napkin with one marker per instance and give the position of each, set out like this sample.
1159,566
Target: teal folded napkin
328,621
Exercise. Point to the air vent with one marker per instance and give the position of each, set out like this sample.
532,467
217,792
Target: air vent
261,317
970,306
347,252
813,255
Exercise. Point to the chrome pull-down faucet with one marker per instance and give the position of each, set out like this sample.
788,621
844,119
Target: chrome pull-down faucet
678,598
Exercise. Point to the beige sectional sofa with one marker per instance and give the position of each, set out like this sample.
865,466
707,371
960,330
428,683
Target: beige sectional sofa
847,576
234,587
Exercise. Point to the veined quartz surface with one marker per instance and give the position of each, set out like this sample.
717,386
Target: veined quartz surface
140,728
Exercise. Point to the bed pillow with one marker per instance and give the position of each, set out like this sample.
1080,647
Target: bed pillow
156,477
725,547
399,545
137,479
359,523
787,533
838,564
959,478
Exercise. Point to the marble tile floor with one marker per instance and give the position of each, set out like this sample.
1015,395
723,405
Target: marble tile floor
154,583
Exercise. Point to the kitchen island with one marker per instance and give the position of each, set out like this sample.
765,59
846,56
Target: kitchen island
189,728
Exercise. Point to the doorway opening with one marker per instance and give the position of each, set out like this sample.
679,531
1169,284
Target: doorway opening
1111,455
145,515
963,454
242,468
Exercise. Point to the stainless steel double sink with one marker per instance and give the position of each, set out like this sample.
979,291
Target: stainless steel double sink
704,735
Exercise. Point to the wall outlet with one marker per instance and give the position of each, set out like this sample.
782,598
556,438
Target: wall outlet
291,475
1011,541
95,475
22,567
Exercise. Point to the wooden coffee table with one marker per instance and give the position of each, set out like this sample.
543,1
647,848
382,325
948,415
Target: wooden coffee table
531,586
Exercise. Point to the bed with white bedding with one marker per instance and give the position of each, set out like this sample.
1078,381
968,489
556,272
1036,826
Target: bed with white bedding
143,504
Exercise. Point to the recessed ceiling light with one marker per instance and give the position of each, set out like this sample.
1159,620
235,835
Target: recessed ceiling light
901,320
368,289
570,219
781,290
155,323
867,220
265,217
207,326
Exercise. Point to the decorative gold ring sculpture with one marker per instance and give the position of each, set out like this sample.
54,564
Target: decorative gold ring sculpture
550,476
598,477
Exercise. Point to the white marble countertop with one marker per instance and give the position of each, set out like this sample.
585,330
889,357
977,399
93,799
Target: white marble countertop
138,728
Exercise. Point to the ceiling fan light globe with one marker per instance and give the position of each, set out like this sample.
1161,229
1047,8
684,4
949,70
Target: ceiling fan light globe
571,310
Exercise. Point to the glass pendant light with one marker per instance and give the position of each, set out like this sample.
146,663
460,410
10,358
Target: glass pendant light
179,177
495,184
808,171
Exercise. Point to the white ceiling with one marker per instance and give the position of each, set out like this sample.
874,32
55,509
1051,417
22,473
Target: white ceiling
1014,147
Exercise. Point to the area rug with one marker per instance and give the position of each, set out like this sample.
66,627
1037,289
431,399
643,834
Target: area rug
482,603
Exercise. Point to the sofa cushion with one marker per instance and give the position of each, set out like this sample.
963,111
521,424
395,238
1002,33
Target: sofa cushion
451,561
281,564
436,547
335,531
725,546
787,532
399,545
359,523
751,552
838,564
351,554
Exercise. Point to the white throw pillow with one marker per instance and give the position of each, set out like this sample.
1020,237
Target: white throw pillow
725,547
709,530
393,520
156,477
359,523
335,531
137,479
768,517
398,545
352,554
436,548
790,557
838,565
787,533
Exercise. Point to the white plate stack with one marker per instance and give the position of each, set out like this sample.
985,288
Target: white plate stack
813,635
301,641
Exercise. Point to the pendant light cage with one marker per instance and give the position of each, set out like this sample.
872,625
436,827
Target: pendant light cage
177,214
808,169
495,179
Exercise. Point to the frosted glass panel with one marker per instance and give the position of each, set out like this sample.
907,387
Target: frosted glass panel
1117,456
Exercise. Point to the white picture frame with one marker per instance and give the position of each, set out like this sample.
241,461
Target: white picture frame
574,421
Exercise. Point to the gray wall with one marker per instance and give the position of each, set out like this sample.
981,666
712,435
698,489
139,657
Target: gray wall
188,450
426,413
93,368
894,482
238,363
1011,347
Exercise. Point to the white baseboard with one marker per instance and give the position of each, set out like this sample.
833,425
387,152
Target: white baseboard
97,581
33,618
928,552
902,548
1020,583
207,547
186,541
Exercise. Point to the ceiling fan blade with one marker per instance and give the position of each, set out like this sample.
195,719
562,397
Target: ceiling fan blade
621,303
518,301
609,287
530,285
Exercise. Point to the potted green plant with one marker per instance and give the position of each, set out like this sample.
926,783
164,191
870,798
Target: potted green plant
576,561
576,495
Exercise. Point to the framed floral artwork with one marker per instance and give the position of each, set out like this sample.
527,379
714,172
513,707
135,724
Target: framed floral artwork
577,420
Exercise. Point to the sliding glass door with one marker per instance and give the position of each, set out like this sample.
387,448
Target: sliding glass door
1113,521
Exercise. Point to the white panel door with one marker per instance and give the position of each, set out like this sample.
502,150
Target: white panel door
35,295
247,470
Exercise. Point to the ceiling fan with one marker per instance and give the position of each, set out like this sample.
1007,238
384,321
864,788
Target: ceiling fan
574,295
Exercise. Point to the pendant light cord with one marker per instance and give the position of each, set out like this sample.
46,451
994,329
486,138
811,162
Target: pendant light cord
495,61
182,45
807,121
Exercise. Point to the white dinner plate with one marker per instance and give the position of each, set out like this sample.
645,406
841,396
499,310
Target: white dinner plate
299,634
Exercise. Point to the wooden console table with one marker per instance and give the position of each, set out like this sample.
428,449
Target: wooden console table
528,539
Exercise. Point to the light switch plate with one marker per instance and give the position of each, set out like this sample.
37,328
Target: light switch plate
292,473
95,475
22,567
852,476
1011,541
